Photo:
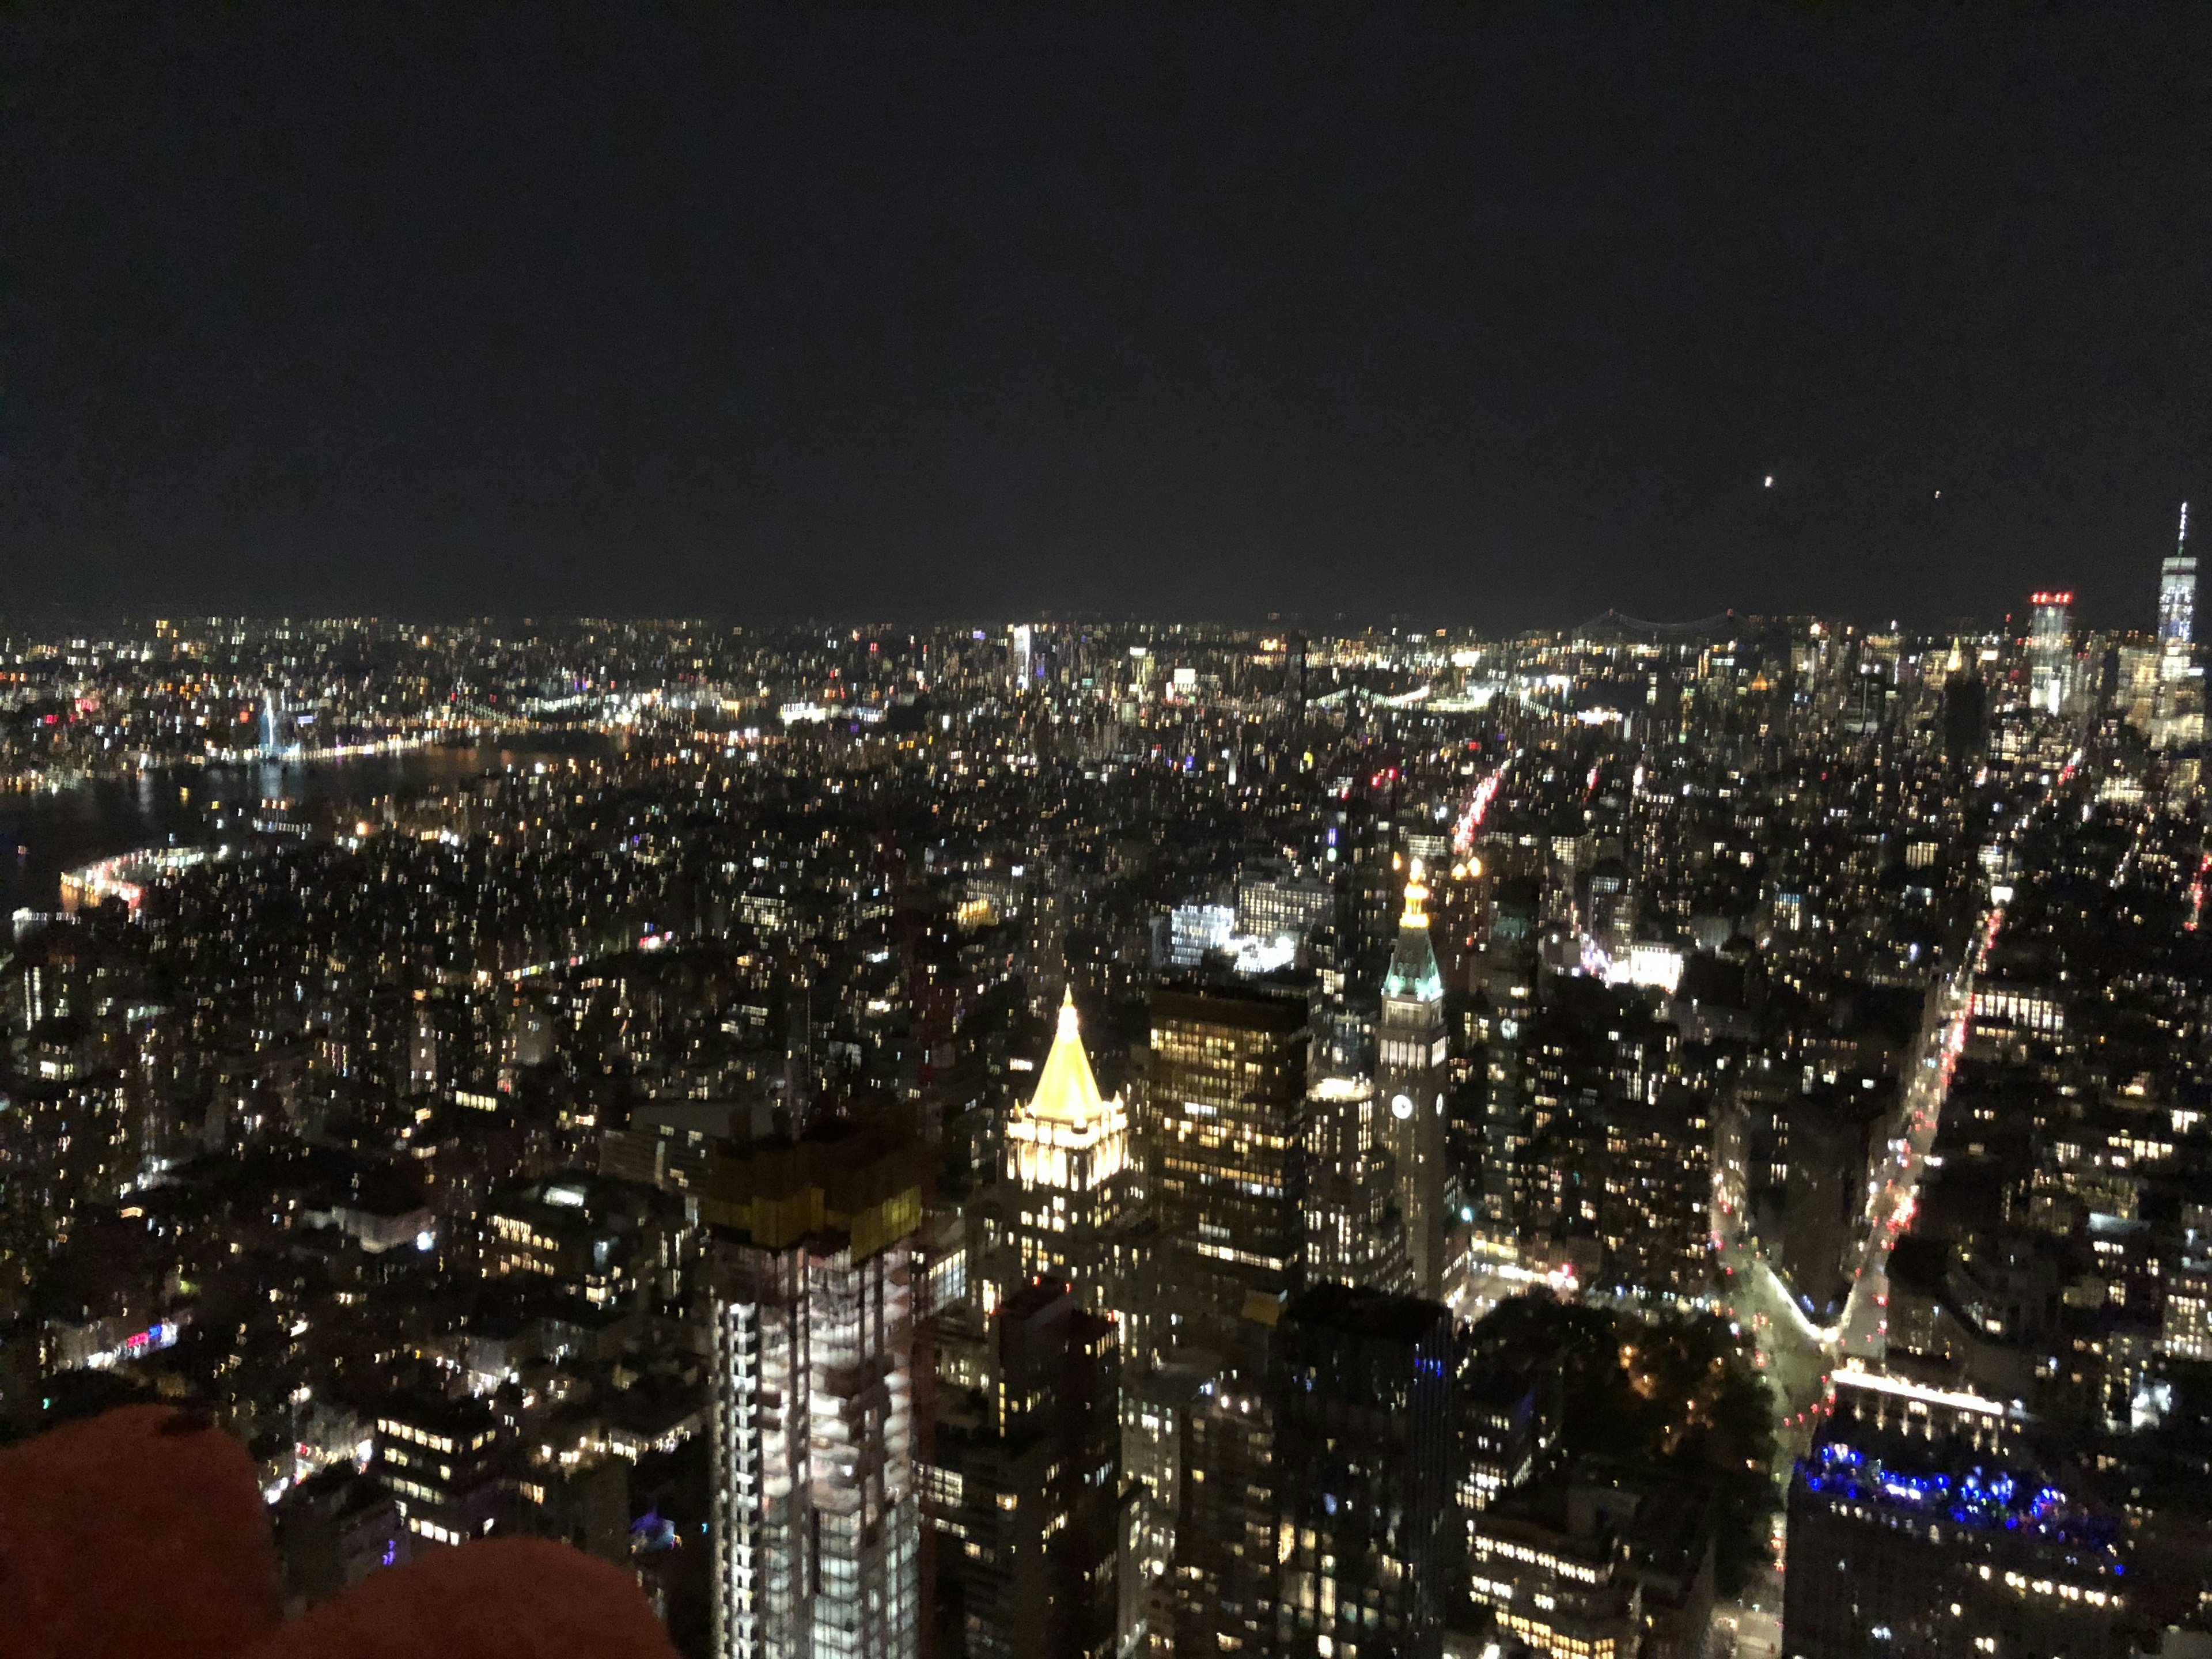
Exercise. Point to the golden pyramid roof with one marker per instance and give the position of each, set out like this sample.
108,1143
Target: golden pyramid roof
1067,1092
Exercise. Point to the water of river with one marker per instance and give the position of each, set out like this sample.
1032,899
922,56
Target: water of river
43,835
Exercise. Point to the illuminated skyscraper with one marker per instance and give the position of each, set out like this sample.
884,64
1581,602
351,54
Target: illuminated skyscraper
1411,1077
2178,699
1274,901
1352,1232
1066,1181
2177,591
272,727
1223,1112
1510,989
816,1522
2050,651
1657,1186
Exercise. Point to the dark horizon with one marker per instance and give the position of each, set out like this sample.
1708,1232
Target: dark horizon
1493,319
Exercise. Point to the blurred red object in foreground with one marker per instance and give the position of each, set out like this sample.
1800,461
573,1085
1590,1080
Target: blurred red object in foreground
142,1534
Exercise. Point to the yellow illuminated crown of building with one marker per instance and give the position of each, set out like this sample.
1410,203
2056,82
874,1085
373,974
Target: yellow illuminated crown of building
1417,896
1414,963
1068,1135
1067,1092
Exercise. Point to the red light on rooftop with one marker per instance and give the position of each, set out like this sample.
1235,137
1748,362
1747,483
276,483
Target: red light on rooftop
2051,598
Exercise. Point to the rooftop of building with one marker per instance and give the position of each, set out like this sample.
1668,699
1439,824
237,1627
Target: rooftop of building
1362,1310
1066,1093
1947,1477
863,1179
1659,1518
1251,1009
1414,974
573,1199
463,1418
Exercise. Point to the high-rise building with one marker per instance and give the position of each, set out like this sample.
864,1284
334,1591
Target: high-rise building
2186,1328
439,1458
1194,930
1920,1524
1966,716
1510,996
1353,1235
2050,651
1065,1184
1359,838
1869,702
74,1140
1274,900
816,1515
2179,720
598,1242
1157,1407
1223,1581
1363,1455
1655,1217
1411,1077
1831,1139
1026,1487
422,1047
1506,1409
2177,592
1609,906
1223,1119
2137,686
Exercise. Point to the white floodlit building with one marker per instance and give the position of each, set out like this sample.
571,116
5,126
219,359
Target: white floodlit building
817,1517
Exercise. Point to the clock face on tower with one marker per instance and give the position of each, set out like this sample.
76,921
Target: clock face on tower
1401,1106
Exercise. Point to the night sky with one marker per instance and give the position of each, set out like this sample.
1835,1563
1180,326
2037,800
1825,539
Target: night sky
1486,315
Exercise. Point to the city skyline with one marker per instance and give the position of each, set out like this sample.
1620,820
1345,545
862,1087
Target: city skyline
1149,831
1084,1139
2160,602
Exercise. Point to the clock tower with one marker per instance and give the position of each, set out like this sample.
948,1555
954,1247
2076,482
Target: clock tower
1411,1079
